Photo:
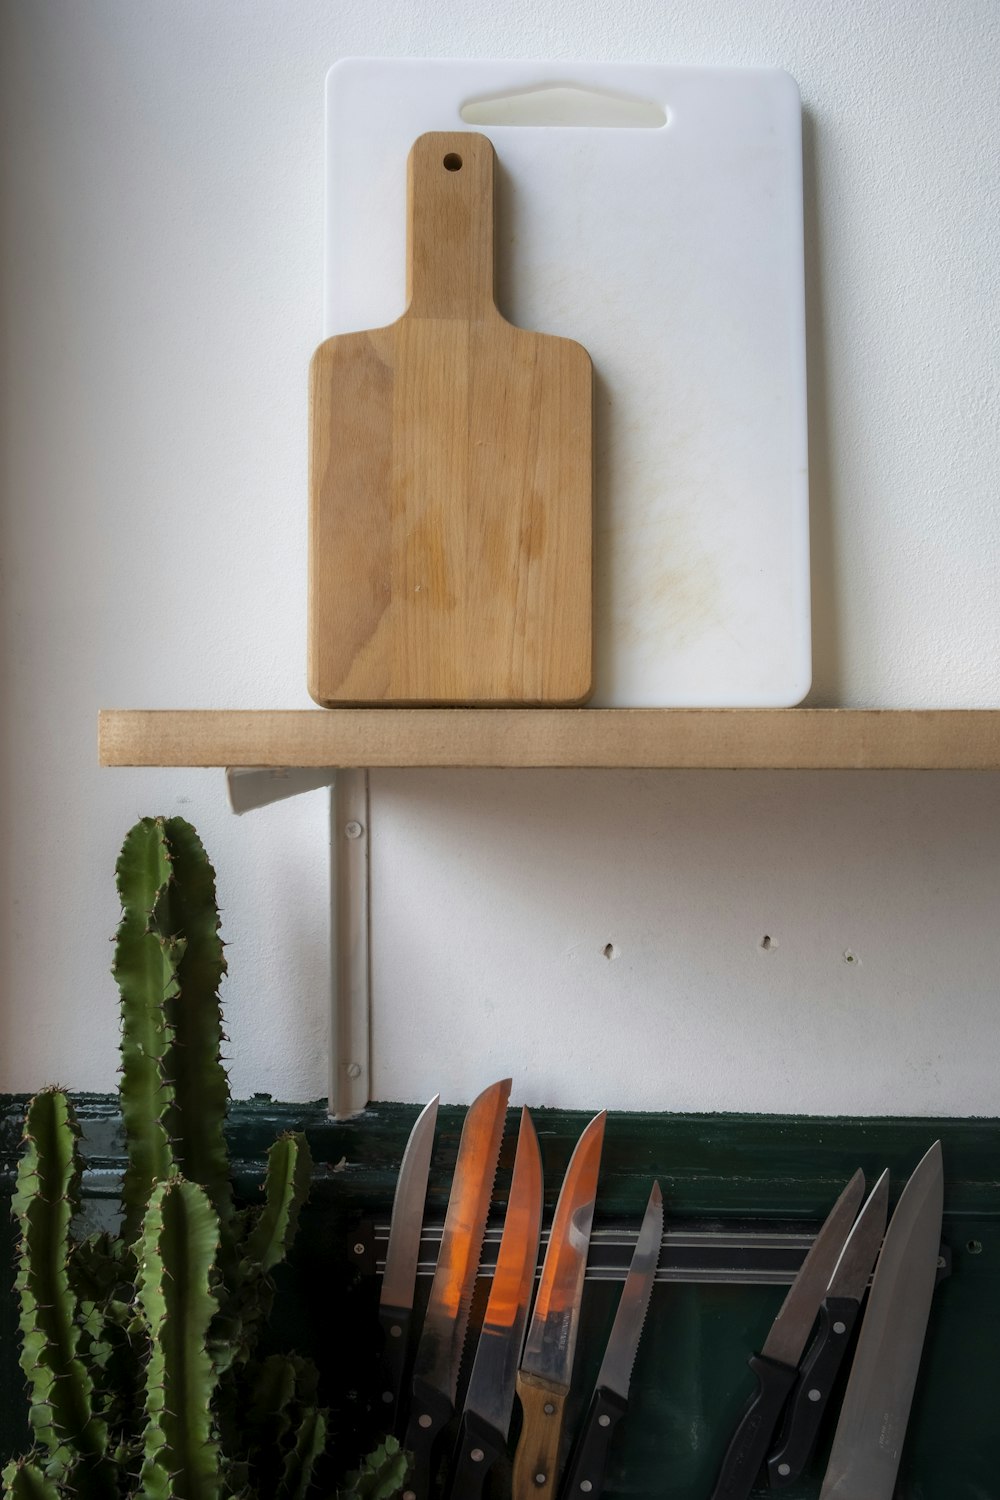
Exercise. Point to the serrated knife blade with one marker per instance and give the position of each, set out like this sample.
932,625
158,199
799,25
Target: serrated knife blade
489,1400
585,1475
439,1352
868,1443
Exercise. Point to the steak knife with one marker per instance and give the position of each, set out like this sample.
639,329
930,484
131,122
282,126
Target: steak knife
439,1352
837,1317
610,1398
868,1444
776,1366
547,1363
489,1401
395,1307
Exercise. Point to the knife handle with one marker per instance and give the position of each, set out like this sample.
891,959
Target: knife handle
479,1446
395,1324
752,1438
590,1452
430,1411
817,1377
536,1462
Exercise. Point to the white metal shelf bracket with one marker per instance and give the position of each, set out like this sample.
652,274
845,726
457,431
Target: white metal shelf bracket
350,991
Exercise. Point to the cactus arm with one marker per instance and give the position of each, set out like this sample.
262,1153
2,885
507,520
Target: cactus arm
197,1114
381,1476
310,1440
179,1243
145,970
46,1197
24,1480
286,1187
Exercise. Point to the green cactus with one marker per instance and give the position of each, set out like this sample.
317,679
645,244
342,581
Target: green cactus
139,1350
381,1476
24,1480
179,1242
61,1408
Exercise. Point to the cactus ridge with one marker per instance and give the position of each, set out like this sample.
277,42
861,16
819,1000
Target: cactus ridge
179,1243
46,1197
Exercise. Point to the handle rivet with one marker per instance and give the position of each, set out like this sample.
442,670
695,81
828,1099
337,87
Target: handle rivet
477,1455
540,1478
784,1469
604,1420
424,1420
395,1330
586,1486
548,1408
840,1327
815,1395
387,1397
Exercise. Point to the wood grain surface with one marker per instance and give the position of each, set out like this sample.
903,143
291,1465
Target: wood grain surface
683,738
451,509
536,1459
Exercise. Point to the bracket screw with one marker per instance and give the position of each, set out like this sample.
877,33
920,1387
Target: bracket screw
353,830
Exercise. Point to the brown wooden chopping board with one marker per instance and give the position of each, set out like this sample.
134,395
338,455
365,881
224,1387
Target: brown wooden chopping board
451,510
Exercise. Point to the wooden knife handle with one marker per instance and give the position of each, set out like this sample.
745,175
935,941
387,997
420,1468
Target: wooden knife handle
536,1462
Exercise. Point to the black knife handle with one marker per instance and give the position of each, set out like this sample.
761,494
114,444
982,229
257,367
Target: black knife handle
817,1377
589,1458
430,1411
395,1323
752,1438
477,1450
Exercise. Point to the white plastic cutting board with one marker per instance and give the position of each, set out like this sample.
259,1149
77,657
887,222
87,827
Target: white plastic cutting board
673,252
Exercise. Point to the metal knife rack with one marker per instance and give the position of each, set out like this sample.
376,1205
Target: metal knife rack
735,1255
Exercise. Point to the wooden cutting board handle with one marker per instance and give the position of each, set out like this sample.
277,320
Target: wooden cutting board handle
450,191
450,551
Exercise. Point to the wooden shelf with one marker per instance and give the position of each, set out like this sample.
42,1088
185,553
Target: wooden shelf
736,739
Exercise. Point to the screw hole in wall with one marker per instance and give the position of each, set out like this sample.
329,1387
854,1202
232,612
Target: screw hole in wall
609,950
975,1247
767,943
849,957
453,162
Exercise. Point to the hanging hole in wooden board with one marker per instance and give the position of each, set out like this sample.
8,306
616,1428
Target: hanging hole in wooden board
453,162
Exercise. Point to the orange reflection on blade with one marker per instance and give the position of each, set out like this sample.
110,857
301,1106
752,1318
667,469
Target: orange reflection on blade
566,1259
469,1201
515,1269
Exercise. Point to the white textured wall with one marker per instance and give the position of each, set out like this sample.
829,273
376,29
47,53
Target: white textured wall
161,293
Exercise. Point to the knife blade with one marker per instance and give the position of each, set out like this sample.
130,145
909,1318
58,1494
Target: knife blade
837,1317
489,1400
868,1443
395,1308
547,1363
439,1352
776,1366
585,1475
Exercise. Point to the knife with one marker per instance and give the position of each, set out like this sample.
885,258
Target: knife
837,1317
547,1363
490,1397
776,1366
439,1352
610,1398
395,1307
868,1443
